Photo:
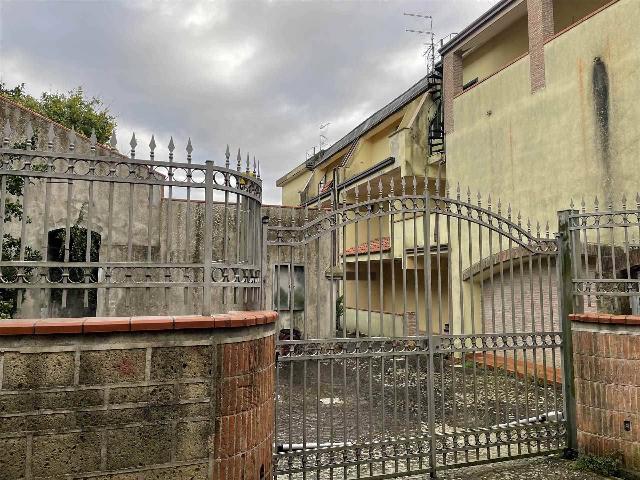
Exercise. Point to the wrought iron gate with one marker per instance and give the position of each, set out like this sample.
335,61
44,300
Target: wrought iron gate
418,332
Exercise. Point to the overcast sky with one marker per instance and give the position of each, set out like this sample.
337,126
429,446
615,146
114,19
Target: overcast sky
261,76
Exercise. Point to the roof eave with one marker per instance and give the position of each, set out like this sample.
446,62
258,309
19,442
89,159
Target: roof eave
477,25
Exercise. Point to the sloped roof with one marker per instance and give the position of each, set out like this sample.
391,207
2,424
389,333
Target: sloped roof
396,104
378,117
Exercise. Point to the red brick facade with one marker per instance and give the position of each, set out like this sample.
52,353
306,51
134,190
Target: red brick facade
540,19
244,425
452,71
607,380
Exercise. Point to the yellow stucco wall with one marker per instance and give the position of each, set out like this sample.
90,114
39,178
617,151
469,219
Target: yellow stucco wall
394,301
539,150
568,12
291,194
497,52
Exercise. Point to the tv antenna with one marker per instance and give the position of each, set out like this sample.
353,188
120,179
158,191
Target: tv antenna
429,52
324,134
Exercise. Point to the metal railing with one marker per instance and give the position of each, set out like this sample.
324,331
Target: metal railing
605,246
89,234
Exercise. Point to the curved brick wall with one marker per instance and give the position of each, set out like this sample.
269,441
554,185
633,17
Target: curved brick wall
142,397
607,380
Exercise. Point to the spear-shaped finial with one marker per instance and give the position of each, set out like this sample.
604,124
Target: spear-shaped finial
479,200
227,155
468,195
133,143
258,168
624,201
380,187
368,190
638,200
489,202
51,135
546,229
239,160
254,165
152,147
189,150
391,187
458,191
171,147
415,185
403,184
596,203
248,164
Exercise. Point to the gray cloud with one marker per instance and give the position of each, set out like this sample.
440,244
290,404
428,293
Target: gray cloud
258,75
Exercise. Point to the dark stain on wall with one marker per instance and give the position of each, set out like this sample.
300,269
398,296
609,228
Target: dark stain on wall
602,106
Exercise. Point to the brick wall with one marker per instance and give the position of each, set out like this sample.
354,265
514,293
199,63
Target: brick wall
244,426
514,297
607,381
540,19
452,74
137,398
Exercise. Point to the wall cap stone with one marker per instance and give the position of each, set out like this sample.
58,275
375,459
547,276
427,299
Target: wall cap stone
605,319
48,326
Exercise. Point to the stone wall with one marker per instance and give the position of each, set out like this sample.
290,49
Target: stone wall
607,382
315,319
142,397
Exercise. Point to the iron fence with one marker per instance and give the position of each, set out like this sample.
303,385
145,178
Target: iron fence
85,234
605,246
426,334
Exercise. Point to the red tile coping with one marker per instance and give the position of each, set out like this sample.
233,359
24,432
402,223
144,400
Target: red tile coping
49,326
606,319
519,368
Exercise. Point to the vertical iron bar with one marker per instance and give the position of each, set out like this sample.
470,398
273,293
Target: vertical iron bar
431,413
208,239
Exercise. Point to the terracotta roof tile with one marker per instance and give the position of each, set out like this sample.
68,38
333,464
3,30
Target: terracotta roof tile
374,246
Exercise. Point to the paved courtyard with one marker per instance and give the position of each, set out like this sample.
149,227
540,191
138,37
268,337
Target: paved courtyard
540,468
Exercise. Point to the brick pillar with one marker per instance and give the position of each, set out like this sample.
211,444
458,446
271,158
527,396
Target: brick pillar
452,71
540,18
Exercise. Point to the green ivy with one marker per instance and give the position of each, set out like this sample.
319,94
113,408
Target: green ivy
608,465
70,109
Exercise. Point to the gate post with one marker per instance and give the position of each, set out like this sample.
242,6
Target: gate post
264,259
566,268
208,238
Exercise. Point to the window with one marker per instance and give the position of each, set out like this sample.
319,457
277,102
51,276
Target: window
282,295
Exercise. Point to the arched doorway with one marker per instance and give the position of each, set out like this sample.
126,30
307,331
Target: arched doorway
75,301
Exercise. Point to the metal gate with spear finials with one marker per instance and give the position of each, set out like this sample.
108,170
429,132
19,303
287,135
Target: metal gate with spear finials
418,332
